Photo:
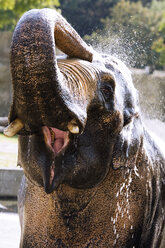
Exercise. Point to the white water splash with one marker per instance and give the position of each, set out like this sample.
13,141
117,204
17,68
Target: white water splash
123,207
156,129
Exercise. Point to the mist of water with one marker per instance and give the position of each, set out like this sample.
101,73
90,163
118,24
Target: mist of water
121,46
129,46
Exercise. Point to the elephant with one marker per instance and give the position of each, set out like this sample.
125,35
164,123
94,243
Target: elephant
94,176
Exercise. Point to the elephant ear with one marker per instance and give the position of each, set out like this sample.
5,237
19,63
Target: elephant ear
129,140
130,107
125,93
128,145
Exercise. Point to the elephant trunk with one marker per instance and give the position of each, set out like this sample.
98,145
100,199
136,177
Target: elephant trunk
47,93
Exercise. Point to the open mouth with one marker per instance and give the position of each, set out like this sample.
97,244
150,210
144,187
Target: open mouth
57,140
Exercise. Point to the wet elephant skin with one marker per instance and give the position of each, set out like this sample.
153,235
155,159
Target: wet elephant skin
101,187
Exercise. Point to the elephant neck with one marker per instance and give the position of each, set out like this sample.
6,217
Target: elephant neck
72,201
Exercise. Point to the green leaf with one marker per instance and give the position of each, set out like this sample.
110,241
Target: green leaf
12,10
7,4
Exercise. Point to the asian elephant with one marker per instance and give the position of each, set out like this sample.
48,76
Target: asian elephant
94,176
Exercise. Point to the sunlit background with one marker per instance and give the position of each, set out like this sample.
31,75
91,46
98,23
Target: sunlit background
132,30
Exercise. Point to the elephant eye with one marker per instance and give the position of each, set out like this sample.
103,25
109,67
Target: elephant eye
107,92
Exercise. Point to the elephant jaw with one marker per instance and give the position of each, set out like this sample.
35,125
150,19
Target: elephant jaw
57,140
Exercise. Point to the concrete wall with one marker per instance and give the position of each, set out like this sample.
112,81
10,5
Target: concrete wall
10,180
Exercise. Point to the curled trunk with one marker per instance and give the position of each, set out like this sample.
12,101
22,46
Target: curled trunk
44,96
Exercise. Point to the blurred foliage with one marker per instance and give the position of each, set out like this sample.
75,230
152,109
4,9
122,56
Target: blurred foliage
85,15
129,33
159,47
144,2
12,10
133,30
159,44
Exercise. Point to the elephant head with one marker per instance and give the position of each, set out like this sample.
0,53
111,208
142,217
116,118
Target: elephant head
68,111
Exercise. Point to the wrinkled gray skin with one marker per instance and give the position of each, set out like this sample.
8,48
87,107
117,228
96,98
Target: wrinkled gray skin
105,188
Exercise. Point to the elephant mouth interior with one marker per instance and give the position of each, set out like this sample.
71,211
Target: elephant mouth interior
56,139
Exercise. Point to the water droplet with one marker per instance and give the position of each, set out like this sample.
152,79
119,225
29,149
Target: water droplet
114,243
75,141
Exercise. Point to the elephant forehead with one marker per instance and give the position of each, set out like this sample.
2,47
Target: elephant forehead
81,69
80,76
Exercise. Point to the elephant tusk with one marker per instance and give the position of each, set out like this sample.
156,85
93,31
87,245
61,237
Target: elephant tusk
13,128
72,127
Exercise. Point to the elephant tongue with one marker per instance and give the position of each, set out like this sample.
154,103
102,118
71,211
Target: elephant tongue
56,139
